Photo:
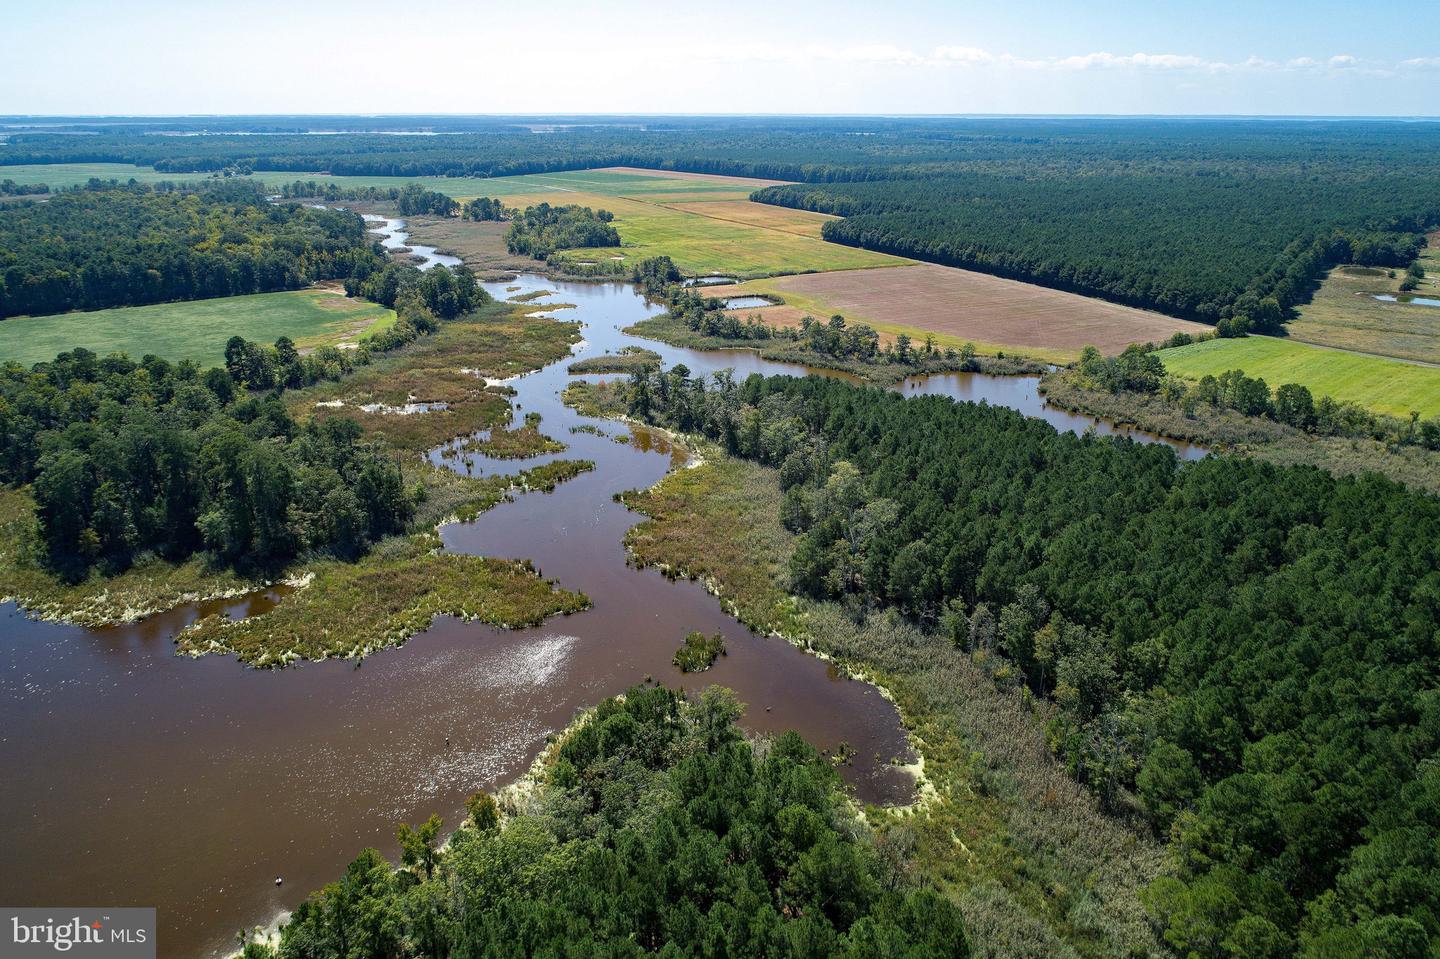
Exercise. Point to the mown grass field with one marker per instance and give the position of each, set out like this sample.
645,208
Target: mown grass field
784,219
195,329
705,224
1346,315
1376,383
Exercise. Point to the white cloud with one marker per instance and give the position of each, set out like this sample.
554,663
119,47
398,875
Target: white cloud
964,57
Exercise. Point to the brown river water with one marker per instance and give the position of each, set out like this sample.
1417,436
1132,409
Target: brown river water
132,776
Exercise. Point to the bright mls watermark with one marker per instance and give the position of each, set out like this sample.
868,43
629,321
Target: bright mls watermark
115,933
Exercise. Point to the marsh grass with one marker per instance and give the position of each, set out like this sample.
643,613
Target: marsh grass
505,443
720,523
1345,314
394,592
498,341
400,586
632,359
450,497
1038,869
605,399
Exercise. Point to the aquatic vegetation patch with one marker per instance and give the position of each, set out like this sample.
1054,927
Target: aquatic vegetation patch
505,443
629,360
604,399
394,592
698,652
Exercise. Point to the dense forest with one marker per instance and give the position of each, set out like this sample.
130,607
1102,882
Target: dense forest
129,457
1247,653
656,830
150,457
484,208
542,229
132,245
444,292
413,199
1242,246
1227,221
410,199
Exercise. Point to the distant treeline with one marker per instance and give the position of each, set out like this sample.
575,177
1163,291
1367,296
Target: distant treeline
1230,222
132,245
805,149
1252,650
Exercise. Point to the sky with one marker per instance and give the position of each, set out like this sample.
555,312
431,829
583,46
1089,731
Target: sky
1263,57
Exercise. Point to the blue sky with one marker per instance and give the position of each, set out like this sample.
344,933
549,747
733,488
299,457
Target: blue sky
742,56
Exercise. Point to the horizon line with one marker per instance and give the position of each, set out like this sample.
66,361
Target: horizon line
682,115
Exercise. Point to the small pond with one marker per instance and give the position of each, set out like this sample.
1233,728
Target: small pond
1407,298
746,302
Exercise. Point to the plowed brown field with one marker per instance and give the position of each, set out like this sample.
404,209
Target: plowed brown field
959,305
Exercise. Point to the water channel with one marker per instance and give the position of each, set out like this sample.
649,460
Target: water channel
137,777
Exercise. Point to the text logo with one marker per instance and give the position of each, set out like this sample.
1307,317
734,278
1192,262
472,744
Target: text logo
115,933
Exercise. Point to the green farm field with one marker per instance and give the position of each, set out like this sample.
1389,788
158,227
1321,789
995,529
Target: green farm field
702,244
59,175
653,185
1346,315
610,182
195,329
1376,383
706,224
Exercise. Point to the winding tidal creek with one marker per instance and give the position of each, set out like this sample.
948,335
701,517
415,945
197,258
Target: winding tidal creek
133,776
